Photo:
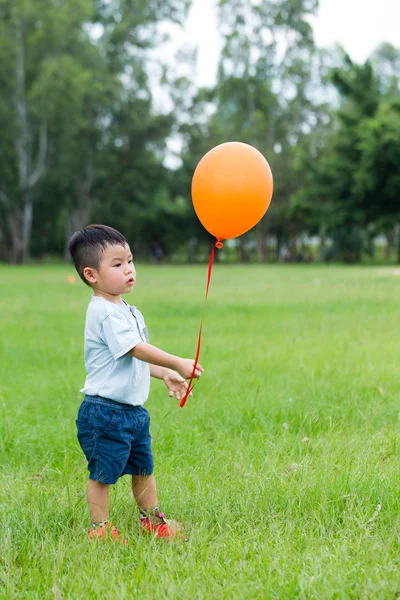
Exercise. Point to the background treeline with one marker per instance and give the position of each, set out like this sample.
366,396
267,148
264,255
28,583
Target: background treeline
91,110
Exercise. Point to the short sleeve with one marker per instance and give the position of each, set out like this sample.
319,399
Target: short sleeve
143,329
119,335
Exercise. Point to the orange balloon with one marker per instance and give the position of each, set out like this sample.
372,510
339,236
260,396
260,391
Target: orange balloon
231,189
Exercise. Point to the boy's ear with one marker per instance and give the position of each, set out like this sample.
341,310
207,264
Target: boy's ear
90,275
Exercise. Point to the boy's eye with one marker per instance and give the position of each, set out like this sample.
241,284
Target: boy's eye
131,261
117,265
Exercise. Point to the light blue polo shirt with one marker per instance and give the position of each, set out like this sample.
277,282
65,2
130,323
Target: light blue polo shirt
111,330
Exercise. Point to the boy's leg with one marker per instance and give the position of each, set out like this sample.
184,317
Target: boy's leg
144,486
152,520
98,500
145,492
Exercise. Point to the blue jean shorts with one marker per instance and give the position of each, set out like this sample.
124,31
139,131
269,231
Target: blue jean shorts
115,439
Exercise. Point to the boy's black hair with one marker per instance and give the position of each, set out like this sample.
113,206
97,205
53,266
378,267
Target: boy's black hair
88,244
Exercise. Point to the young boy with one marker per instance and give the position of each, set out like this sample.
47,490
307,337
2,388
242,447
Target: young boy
113,425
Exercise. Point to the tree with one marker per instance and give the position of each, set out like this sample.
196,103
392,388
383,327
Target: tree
261,94
378,175
38,39
330,158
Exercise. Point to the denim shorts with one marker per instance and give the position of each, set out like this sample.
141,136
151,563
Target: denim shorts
115,439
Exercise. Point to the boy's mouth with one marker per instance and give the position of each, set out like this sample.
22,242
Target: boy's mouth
130,281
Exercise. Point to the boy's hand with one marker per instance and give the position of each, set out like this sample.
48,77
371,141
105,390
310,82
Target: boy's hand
185,368
176,385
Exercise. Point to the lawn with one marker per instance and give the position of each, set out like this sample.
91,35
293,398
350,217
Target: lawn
284,466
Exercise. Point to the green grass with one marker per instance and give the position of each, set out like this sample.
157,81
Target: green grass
289,353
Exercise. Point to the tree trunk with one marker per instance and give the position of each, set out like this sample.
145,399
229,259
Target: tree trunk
72,224
192,250
15,227
76,219
398,243
272,253
322,246
261,232
27,215
20,218
5,232
293,245
244,255
278,246
20,226
389,245
79,214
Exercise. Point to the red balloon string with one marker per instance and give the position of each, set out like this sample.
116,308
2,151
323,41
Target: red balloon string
218,245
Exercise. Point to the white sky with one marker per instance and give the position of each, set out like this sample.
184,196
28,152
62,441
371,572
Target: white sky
358,25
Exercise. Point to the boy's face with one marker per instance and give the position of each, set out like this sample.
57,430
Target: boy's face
116,274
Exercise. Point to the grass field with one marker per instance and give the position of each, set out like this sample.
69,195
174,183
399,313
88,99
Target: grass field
284,466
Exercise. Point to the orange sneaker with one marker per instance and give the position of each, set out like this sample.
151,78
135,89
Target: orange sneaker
106,531
161,527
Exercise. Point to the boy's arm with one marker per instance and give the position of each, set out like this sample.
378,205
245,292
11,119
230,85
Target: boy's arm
158,372
159,358
177,386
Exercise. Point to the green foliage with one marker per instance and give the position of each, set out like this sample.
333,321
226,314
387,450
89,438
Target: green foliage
378,176
351,181
82,140
349,243
92,101
261,97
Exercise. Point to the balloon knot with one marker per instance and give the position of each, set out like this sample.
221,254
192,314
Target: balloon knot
219,245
